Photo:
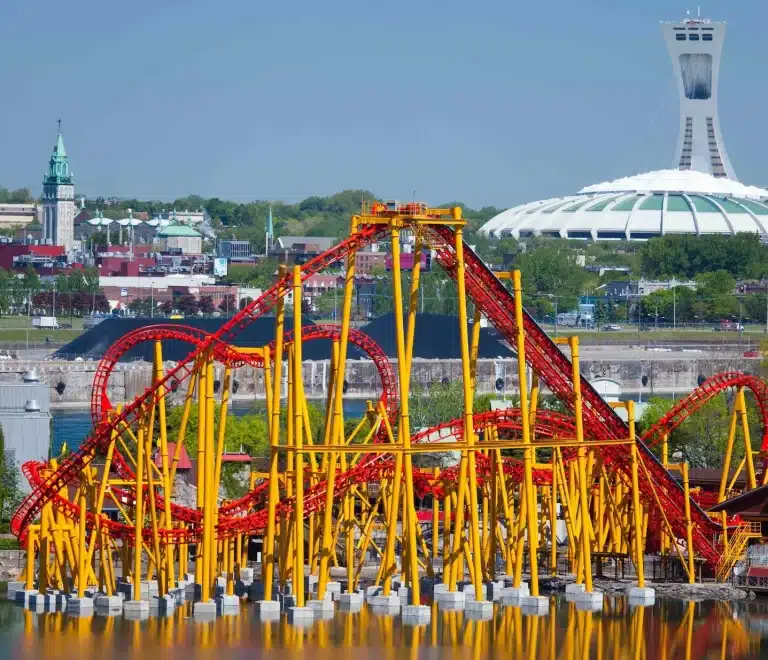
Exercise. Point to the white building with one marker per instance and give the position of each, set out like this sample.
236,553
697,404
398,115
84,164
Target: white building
700,197
695,46
59,199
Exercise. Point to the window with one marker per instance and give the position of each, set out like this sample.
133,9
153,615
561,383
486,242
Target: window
693,37
680,37
697,75
706,37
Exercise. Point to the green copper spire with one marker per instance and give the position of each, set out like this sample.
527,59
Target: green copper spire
58,166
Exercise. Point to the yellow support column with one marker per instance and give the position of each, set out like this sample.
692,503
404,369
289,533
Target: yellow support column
298,439
336,427
404,427
138,541
637,515
531,513
583,487
268,550
688,525
469,431
202,389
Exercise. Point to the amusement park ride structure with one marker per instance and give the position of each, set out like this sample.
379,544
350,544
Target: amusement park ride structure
331,496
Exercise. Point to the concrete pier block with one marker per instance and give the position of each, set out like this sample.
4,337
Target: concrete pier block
37,603
136,609
267,610
204,610
246,574
438,588
13,587
108,604
80,606
178,594
588,605
162,604
227,605
350,602
324,606
574,588
535,605
389,603
451,599
372,591
22,596
287,601
126,589
193,592
479,609
591,600
414,615
300,615
515,594
640,596
403,593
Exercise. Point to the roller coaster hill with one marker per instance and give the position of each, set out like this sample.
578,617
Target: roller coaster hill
334,498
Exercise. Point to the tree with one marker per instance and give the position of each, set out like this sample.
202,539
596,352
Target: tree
228,305
166,307
188,305
10,482
206,305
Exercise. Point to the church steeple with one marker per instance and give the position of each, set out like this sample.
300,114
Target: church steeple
58,166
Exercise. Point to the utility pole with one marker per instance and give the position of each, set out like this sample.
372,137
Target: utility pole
674,309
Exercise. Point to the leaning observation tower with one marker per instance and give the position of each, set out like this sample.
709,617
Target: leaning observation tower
701,196
695,46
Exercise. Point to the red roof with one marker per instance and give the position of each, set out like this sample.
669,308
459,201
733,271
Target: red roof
235,458
184,462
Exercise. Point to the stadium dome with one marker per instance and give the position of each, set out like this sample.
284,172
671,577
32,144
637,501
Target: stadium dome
641,207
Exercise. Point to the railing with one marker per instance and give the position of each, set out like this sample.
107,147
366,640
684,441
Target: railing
736,549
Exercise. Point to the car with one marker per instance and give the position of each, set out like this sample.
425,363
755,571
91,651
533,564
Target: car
611,327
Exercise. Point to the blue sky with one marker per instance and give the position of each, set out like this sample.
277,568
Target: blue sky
489,102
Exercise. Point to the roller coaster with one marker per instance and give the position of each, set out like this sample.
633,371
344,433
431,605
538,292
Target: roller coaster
332,494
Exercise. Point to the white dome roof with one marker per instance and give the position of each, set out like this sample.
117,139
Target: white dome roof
641,207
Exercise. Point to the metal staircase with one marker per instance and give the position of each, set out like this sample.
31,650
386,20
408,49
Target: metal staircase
736,549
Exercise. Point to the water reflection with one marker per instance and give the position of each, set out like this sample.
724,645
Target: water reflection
670,629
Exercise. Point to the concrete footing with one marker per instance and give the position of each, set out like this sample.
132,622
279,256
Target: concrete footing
22,596
587,600
204,609
193,592
227,605
321,607
300,615
515,594
479,609
13,587
574,588
246,575
413,615
451,600
136,609
350,602
535,605
268,610
108,604
373,591
389,603
162,604
641,596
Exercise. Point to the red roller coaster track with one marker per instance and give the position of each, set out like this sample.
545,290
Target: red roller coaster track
495,302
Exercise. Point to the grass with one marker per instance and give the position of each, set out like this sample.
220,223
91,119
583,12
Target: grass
9,544
17,328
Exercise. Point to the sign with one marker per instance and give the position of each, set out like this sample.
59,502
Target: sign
124,293
219,267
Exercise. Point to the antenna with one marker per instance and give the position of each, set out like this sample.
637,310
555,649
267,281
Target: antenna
698,10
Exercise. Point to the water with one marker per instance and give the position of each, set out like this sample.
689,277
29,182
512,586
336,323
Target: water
669,629
72,425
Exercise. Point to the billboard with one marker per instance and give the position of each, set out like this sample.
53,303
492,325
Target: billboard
219,266
406,260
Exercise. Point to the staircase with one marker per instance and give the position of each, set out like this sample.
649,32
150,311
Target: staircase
736,549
